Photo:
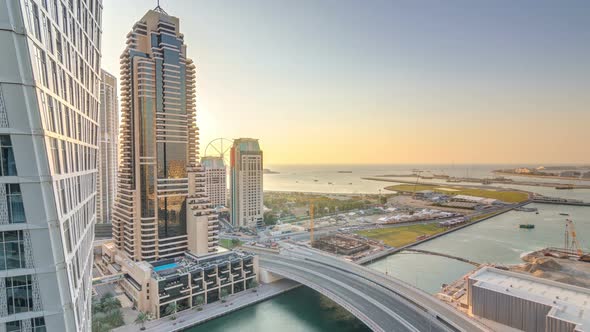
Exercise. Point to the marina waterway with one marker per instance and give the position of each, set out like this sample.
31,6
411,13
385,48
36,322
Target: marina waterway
496,240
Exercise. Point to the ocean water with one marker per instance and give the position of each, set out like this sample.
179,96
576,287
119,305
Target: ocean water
327,179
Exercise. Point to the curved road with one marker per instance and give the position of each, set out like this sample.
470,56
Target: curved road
386,302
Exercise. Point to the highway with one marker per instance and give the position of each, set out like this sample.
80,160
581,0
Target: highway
381,302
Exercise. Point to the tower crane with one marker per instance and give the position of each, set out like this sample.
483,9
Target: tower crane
418,172
572,243
570,232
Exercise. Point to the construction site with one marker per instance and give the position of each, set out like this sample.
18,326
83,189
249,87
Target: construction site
568,265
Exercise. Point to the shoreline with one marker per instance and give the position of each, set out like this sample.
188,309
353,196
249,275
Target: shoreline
557,177
387,253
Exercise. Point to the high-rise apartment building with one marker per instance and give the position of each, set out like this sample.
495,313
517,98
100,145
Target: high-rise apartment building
215,180
49,105
108,140
161,209
247,207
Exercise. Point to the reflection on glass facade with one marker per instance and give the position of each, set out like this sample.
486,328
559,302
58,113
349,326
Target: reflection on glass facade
171,216
158,139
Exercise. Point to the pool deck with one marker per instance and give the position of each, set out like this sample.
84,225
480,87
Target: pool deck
191,317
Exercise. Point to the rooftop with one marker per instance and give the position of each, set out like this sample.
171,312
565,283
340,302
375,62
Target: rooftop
188,263
568,302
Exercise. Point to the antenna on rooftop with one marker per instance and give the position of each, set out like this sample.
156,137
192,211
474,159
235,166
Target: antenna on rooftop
159,9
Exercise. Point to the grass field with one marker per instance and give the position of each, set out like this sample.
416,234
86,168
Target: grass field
505,196
400,236
227,244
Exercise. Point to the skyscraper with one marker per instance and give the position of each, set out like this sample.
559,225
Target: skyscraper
108,140
161,209
49,101
247,209
215,180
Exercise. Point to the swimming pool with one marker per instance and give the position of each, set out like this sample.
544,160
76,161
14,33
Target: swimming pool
165,267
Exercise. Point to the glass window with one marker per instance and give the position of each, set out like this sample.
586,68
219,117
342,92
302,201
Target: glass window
8,166
13,326
38,324
12,250
16,209
36,23
19,294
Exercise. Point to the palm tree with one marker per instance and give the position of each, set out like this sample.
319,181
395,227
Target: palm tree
224,294
171,310
142,317
110,304
199,300
114,318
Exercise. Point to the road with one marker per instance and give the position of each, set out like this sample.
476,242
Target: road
416,307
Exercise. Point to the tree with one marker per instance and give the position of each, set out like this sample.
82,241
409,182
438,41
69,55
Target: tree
270,218
235,242
252,283
198,301
142,317
114,318
109,303
224,294
171,310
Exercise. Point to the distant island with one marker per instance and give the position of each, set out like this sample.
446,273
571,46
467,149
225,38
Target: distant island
553,172
268,171
344,171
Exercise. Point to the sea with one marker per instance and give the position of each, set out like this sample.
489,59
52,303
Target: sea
496,240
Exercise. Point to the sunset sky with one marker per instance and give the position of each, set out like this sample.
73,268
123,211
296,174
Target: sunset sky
333,81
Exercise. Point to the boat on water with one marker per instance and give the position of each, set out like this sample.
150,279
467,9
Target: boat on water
527,226
564,214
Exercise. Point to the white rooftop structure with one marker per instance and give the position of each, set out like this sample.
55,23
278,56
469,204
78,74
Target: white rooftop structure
567,303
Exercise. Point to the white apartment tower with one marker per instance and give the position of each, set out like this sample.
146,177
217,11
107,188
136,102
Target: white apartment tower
215,180
161,209
49,105
108,140
247,206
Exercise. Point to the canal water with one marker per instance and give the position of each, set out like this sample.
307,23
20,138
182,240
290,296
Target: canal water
496,240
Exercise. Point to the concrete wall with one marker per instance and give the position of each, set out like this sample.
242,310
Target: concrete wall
508,310
267,277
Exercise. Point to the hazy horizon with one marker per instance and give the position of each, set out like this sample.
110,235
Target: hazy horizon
385,82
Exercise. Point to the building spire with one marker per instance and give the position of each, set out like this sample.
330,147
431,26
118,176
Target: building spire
159,9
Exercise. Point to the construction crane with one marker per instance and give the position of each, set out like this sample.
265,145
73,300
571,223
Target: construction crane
416,184
570,233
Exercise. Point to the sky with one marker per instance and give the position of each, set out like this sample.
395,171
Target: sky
385,82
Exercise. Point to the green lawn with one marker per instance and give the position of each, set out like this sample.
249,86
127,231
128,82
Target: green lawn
505,196
227,243
400,236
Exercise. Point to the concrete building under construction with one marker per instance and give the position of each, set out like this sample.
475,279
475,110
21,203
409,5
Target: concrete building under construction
341,245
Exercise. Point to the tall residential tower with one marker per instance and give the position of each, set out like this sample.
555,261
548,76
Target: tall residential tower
161,209
108,140
215,180
247,209
49,104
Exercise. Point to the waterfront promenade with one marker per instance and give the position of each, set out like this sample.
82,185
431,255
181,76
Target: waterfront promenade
192,317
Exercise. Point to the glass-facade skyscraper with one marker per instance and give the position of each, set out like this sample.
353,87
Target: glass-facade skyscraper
161,183
49,101
108,141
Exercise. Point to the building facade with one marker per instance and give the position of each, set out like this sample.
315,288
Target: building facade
108,140
247,206
215,180
186,281
526,302
49,105
161,209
